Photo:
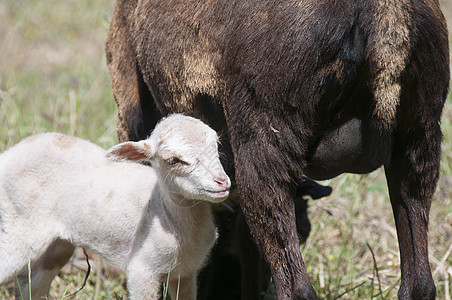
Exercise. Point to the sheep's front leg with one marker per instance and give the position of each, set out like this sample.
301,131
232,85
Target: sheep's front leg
254,272
272,224
183,288
137,114
142,282
268,208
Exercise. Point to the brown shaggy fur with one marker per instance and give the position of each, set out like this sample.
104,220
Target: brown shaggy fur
299,88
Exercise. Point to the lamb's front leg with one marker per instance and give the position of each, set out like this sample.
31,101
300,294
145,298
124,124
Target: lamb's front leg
143,283
183,288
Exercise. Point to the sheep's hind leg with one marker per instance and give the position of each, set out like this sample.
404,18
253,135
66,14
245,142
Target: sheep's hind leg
413,172
43,271
412,178
14,256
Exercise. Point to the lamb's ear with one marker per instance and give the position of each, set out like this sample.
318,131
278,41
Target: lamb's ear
131,151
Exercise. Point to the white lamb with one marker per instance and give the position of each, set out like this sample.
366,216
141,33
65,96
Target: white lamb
58,192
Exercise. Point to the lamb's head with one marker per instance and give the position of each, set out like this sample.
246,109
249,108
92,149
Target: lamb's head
184,152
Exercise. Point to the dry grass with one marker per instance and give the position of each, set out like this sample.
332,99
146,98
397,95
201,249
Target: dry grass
354,241
52,70
53,78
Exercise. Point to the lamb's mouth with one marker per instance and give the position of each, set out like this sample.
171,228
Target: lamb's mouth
219,193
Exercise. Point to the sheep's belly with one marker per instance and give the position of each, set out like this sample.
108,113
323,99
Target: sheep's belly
349,148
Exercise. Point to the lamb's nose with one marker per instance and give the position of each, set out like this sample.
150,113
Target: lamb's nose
222,181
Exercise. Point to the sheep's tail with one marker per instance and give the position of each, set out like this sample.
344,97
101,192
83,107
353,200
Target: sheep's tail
388,50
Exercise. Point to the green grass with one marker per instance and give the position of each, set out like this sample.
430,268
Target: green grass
52,70
53,78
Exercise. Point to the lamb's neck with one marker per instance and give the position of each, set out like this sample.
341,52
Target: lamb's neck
183,212
180,202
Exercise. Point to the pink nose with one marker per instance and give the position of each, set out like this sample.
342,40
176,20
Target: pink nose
222,181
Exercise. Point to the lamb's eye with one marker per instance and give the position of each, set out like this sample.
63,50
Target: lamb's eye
173,161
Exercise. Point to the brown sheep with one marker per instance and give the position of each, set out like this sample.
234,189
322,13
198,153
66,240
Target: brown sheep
235,269
313,88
